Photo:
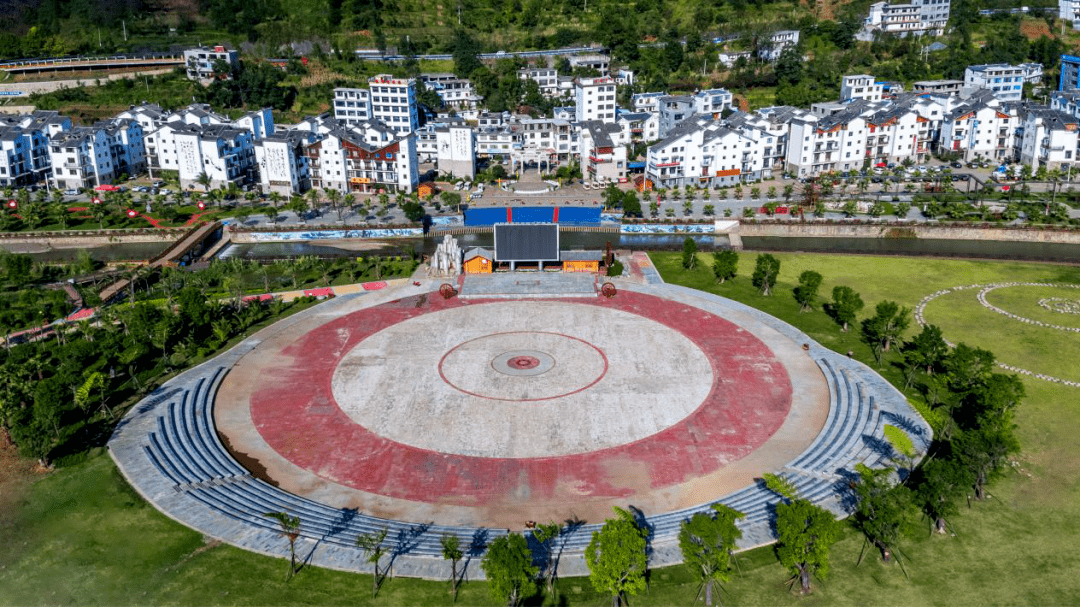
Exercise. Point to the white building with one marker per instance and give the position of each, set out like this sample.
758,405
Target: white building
707,154
89,156
979,131
778,42
352,105
24,146
673,110
712,101
344,161
16,167
199,62
393,102
595,99
860,86
639,126
1069,10
1006,81
730,58
283,168
547,78
225,154
646,102
456,150
595,61
1047,138
917,17
603,155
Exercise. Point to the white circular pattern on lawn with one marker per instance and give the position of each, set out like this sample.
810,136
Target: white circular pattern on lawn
1061,305
983,290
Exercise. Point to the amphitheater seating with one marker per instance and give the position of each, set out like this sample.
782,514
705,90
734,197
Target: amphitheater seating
186,450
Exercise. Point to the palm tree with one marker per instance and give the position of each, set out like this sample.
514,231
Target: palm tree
349,201
204,180
334,196
275,200
290,528
371,544
313,198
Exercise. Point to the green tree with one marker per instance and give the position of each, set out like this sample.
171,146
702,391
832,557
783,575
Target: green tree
805,534
927,350
881,509
846,303
806,292
545,535
939,485
451,551
290,529
766,270
725,265
689,253
371,544
509,569
707,542
886,325
984,453
616,557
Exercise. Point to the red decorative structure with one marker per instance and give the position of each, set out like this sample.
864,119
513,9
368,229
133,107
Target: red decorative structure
447,290
608,290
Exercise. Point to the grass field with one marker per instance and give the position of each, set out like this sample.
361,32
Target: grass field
80,535
1024,301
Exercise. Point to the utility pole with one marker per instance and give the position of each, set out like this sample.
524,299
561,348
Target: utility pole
123,23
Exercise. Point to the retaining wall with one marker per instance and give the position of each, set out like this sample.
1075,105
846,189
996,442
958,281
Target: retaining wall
87,238
910,231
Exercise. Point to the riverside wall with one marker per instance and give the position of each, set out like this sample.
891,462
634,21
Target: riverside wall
908,231
28,242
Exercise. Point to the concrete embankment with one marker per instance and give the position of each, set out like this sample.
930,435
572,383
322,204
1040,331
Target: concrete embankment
908,231
37,242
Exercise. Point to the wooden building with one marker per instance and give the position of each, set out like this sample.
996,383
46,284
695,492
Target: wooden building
478,261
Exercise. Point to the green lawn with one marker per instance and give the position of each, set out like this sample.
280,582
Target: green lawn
81,536
1024,301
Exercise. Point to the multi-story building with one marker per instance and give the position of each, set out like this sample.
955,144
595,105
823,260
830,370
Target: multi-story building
16,166
456,150
639,127
1069,10
646,102
1006,81
916,17
283,167
393,102
979,130
343,160
1070,73
860,86
941,87
603,155
673,110
705,153
352,105
595,99
712,101
595,61
201,62
1046,138
223,153
777,43
547,78
24,146
89,156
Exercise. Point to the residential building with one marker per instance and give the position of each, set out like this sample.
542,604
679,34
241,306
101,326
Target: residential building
89,156
456,150
712,101
624,77
730,58
638,127
1069,10
454,92
1070,73
223,153
16,166
646,102
352,105
496,143
283,167
595,61
24,146
673,110
602,155
201,62
704,153
595,99
1047,138
860,86
980,130
547,78
393,102
777,43
1006,81
944,87
916,17
342,160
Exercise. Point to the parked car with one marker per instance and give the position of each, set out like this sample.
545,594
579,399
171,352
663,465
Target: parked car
159,183
957,165
71,192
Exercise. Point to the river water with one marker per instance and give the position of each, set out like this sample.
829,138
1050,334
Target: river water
1029,251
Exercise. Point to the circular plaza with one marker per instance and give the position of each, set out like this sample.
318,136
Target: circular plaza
405,410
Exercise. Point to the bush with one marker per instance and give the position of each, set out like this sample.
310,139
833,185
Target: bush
615,269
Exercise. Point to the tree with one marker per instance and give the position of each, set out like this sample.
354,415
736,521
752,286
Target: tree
371,544
766,269
509,569
845,304
725,265
451,551
631,205
806,292
805,533
984,453
689,253
707,543
545,535
204,180
290,528
616,557
881,509
927,350
414,211
886,325
939,484
968,368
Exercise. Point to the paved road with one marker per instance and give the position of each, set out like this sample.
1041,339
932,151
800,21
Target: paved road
26,88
